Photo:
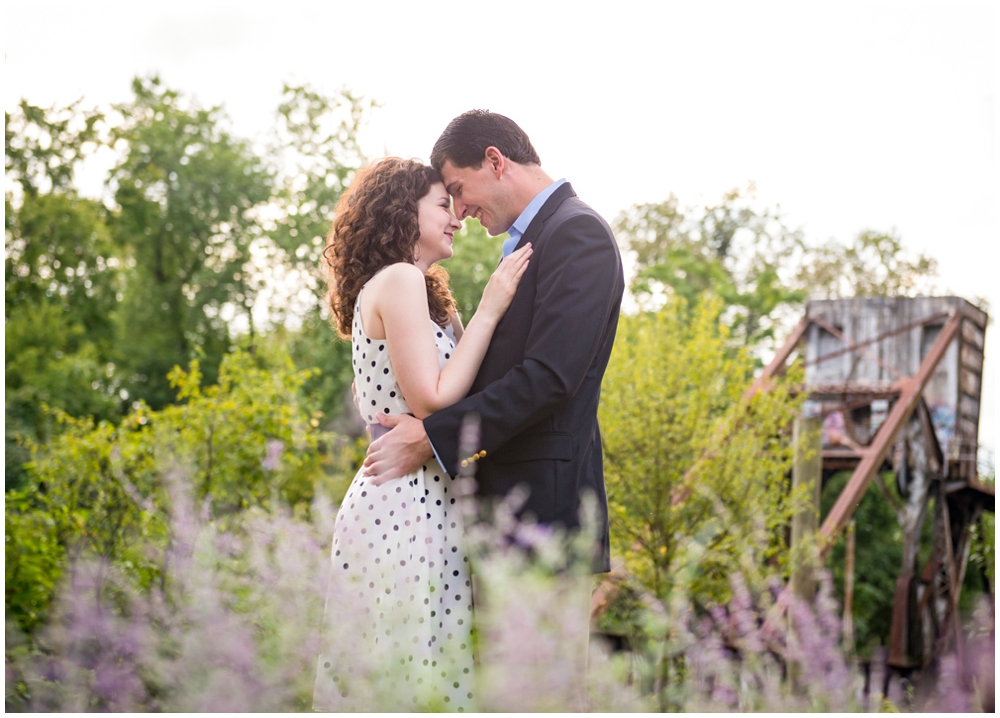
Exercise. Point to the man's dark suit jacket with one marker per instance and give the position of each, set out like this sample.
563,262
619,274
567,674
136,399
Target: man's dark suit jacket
539,384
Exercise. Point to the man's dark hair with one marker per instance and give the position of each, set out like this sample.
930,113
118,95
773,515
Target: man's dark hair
465,139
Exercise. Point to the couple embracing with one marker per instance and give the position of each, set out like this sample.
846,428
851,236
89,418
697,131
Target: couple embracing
529,364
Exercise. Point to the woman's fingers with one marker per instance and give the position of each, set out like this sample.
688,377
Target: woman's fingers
513,266
519,255
503,282
522,260
520,270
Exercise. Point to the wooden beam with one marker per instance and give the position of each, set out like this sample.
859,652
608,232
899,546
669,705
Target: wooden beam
807,470
851,346
936,456
910,390
854,346
780,359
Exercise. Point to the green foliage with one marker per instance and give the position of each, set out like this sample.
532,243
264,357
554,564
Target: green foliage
316,152
878,559
101,303
674,425
252,441
60,294
188,194
875,265
75,502
316,148
61,278
99,489
42,146
982,568
729,250
982,556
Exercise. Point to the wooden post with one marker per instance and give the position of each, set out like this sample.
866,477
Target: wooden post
807,470
849,591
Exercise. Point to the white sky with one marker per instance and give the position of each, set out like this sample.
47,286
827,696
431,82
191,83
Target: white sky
850,115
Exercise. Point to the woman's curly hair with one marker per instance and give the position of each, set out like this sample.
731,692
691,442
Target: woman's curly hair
376,225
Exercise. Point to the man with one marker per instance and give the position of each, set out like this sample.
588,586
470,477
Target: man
538,388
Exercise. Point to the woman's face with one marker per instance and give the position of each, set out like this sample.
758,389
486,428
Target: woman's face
437,227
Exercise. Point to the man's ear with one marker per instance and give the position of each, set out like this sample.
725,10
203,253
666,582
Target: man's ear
495,161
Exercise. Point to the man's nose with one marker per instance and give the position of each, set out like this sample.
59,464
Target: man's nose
461,208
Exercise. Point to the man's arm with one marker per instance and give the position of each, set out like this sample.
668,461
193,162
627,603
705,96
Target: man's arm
400,451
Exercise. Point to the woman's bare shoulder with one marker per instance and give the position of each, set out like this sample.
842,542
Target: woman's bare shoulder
399,272
401,279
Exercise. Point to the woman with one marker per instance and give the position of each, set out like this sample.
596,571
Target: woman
399,602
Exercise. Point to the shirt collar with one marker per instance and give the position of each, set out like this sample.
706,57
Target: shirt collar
520,225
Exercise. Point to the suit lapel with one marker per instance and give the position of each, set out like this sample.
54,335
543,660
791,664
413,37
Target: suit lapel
564,191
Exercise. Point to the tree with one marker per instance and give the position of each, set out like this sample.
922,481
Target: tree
875,265
316,153
729,250
189,195
672,423
62,278
759,267
43,146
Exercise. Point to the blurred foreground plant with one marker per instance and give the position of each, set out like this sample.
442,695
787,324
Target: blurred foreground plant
230,627
233,624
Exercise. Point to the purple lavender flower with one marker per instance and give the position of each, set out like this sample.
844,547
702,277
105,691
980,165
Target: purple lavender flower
272,459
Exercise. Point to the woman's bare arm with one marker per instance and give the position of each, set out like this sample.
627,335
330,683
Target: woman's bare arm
456,326
397,302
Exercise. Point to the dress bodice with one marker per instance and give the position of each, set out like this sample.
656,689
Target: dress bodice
374,378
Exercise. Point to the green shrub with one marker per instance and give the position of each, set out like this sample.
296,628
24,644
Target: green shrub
97,490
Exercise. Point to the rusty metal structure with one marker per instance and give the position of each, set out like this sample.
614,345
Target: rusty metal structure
897,383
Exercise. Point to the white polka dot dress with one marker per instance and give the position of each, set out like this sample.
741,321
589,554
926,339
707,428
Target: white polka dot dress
398,619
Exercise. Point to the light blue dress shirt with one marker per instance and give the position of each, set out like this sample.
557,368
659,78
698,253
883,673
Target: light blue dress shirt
520,225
